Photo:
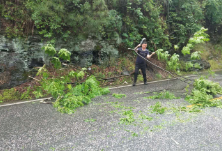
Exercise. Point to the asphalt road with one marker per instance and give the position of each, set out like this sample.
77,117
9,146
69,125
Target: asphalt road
100,125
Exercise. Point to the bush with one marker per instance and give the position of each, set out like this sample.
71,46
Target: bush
203,91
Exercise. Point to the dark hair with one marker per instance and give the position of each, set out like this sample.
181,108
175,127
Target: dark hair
144,42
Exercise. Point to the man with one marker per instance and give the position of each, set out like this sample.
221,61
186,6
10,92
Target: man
140,62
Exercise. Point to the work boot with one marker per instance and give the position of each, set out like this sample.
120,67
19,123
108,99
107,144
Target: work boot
134,83
145,83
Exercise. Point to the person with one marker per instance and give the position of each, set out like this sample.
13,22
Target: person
140,62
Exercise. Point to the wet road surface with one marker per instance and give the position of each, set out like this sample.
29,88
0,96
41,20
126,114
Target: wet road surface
100,125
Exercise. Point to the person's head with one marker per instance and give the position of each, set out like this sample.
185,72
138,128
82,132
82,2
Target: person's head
144,45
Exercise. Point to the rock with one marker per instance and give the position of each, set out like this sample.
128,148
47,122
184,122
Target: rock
17,58
203,63
83,54
13,72
125,72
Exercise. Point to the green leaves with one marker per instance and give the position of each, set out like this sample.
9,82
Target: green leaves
176,47
203,92
163,95
67,97
186,50
162,55
64,54
50,50
157,108
56,62
213,13
188,65
195,55
80,75
129,117
119,96
197,65
199,37
173,63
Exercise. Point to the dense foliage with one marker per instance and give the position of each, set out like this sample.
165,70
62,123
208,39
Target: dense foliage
164,23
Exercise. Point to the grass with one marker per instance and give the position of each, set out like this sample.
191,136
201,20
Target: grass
211,53
215,64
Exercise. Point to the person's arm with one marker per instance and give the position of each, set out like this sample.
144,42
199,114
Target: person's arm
149,56
137,47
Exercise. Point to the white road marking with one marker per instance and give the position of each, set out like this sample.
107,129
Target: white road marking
25,102
149,82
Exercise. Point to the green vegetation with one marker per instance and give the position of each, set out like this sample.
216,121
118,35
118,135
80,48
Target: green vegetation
197,65
145,117
202,93
163,95
157,108
26,94
119,96
177,26
166,24
158,76
188,65
9,94
199,37
128,117
90,120
140,78
68,97
173,63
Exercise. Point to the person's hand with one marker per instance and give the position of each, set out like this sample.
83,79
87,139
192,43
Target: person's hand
153,53
139,45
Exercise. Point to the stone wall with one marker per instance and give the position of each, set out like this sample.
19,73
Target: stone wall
18,57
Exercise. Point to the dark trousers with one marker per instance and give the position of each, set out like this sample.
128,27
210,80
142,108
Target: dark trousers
143,69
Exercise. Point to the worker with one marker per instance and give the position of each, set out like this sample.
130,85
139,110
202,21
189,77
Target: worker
140,62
